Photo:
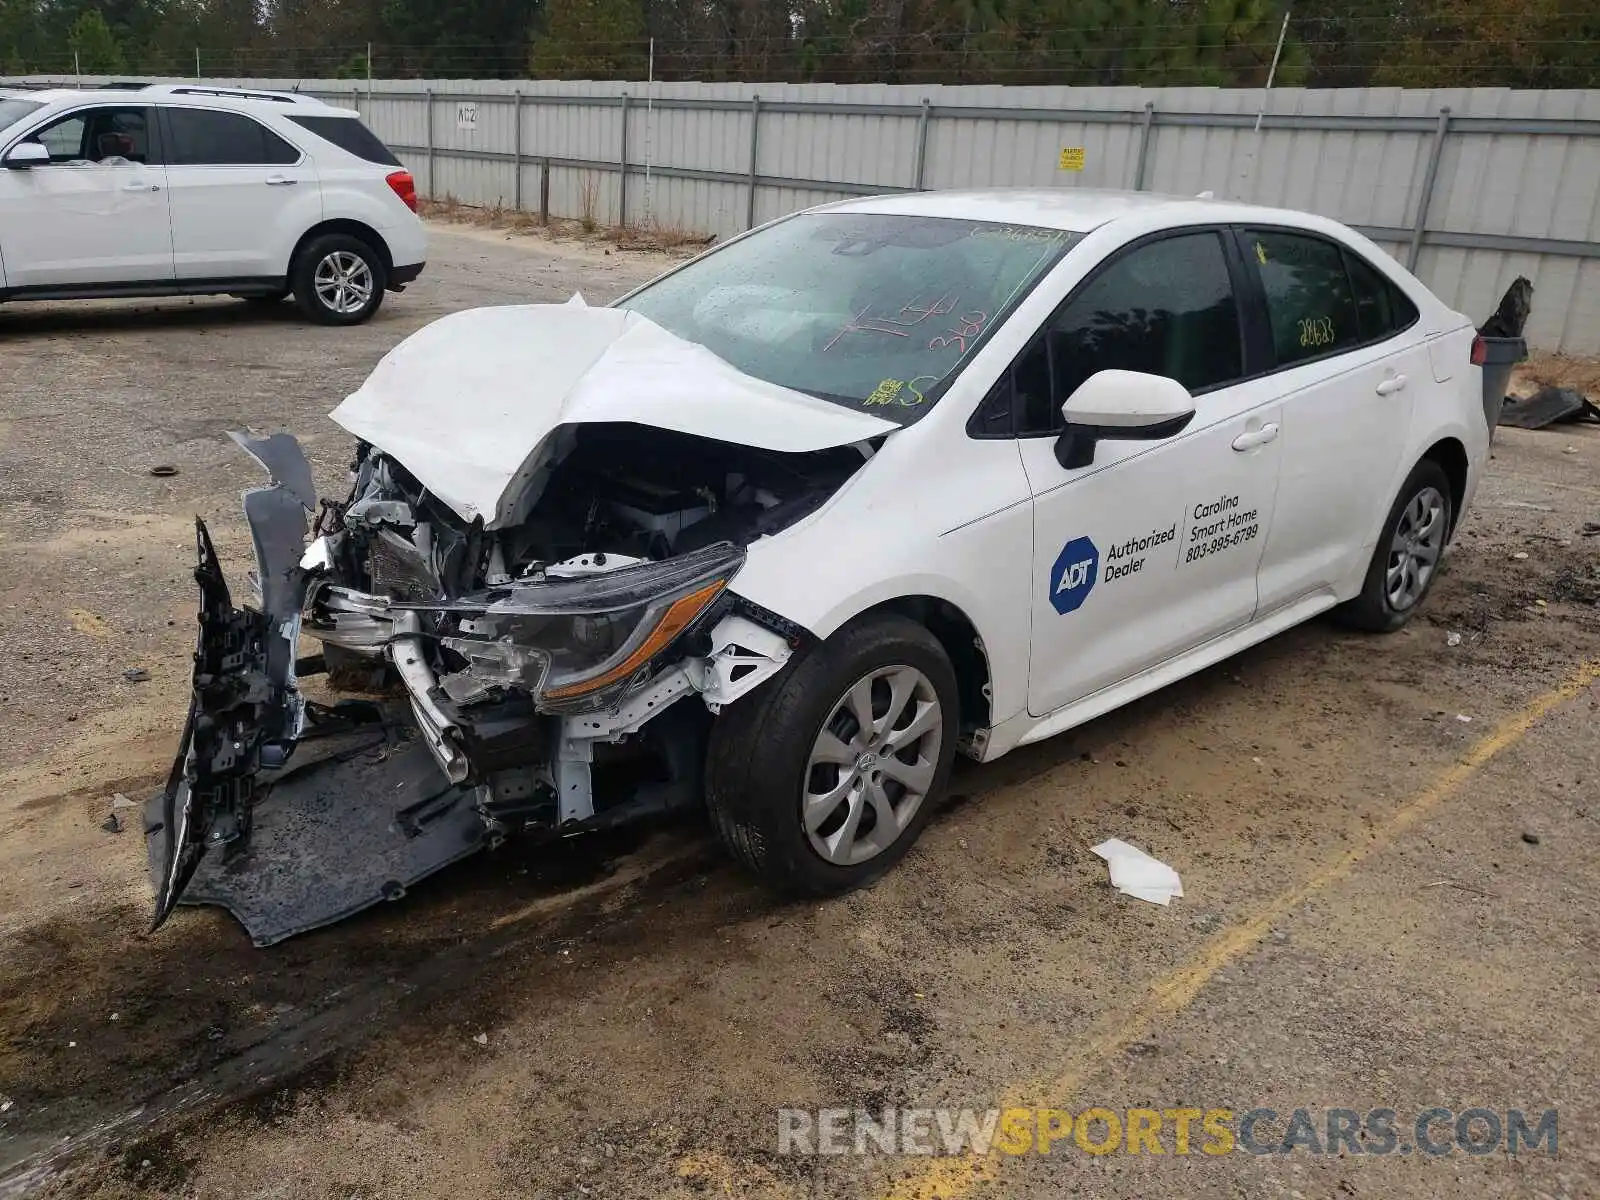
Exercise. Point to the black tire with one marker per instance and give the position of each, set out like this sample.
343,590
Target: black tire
759,756
1374,610
303,278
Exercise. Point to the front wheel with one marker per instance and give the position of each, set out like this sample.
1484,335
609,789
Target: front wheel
338,280
821,780
1406,561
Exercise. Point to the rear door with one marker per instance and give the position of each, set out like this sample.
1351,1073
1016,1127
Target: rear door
241,194
1350,361
96,213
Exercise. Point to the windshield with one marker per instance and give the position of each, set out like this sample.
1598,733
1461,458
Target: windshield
13,110
869,310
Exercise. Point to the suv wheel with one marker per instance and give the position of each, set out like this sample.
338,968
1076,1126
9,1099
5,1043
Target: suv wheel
338,280
821,780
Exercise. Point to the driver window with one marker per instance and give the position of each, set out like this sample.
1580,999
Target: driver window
1166,308
107,136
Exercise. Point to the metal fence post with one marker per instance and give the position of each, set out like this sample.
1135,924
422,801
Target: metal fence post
544,190
427,96
1425,200
1145,123
516,158
622,160
750,198
922,143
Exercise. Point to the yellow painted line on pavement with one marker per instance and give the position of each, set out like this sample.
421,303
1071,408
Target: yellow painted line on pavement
956,1177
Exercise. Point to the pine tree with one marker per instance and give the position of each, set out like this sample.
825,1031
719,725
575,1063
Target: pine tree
592,39
92,41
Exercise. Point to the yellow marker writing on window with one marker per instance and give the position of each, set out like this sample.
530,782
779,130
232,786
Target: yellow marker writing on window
885,392
1261,253
1072,158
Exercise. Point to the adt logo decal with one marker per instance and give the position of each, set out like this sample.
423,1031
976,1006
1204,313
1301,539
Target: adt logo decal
1072,578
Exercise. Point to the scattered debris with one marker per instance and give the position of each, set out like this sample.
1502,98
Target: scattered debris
111,824
164,471
5,1103
1531,838
1520,555
1525,504
1134,873
1591,528
1459,886
116,1016
1452,639
118,800
1463,718
136,675
481,1038
1548,406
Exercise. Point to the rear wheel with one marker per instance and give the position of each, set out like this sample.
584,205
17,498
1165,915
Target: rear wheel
338,280
821,780
1406,561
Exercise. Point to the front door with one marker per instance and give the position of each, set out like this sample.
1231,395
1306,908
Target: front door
1152,548
96,213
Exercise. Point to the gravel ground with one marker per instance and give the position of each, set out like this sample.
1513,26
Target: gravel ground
1386,904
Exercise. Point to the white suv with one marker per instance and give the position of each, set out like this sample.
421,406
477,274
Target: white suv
172,189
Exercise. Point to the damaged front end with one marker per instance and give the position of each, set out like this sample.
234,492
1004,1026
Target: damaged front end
521,679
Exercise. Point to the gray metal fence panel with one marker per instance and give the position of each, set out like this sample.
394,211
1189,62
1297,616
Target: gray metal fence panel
1503,183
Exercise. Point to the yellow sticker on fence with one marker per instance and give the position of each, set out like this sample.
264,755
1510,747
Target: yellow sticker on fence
1072,158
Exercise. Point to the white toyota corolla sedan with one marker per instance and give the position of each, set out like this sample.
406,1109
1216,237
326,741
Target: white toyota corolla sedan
787,528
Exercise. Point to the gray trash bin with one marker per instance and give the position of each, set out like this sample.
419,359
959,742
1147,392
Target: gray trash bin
1497,355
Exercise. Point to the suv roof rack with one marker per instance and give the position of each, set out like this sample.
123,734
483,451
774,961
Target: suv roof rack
122,85
193,89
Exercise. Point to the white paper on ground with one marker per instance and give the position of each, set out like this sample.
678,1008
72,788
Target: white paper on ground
1135,873
472,403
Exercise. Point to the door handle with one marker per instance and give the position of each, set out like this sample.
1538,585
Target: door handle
280,181
1256,437
141,186
1391,385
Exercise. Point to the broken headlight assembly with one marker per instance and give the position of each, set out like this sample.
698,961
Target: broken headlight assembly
577,645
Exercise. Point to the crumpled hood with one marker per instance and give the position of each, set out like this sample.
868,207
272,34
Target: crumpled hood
472,404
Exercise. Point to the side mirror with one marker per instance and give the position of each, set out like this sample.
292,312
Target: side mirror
27,154
1122,405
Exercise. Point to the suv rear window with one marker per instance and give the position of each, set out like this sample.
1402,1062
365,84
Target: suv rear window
350,135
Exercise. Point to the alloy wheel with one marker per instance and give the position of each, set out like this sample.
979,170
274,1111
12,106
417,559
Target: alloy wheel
1415,549
872,765
343,283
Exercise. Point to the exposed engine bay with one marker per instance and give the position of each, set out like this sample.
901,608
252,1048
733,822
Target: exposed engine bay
540,664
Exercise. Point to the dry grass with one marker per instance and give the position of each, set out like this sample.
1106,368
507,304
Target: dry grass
1562,370
588,200
653,237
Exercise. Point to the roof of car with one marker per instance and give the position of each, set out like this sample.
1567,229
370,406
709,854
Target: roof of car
136,92
1077,210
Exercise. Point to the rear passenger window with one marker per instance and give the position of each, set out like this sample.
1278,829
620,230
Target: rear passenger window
1309,301
206,137
1166,308
1381,308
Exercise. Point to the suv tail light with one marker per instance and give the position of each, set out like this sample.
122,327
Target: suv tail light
405,187
1480,351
